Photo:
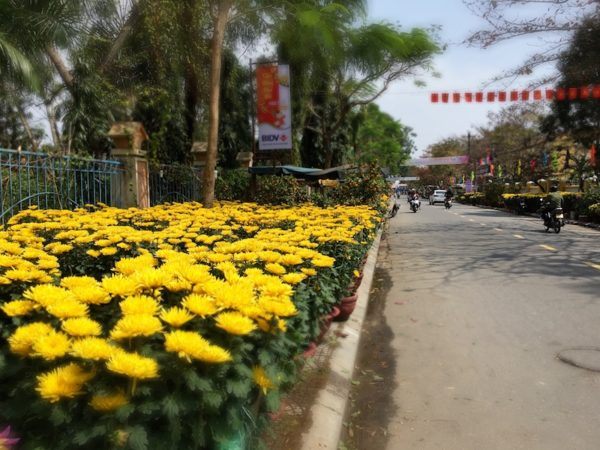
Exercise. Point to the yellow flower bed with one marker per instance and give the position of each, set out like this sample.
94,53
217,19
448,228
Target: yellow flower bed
105,308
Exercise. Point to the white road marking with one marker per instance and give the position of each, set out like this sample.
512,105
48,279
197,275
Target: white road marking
548,247
482,224
471,220
518,236
498,229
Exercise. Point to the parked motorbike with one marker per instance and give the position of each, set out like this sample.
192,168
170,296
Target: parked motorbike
448,203
415,204
521,207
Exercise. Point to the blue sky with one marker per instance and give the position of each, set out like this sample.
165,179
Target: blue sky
462,68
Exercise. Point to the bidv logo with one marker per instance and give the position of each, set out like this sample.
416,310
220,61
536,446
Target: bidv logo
274,138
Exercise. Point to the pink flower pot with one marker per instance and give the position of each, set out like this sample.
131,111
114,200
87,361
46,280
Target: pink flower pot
310,350
335,311
346,308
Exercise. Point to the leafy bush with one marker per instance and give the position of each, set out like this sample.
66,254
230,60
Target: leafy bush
594,212
168,327
533,204
233,185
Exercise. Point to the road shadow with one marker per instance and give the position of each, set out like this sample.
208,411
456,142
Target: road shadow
371,401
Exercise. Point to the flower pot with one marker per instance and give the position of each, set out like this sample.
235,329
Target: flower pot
357,282
310,350
327,319
346,308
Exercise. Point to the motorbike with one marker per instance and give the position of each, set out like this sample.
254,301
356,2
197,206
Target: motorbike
554,220
521,207
448,203
415,204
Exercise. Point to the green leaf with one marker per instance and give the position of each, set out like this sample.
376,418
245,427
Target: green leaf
213,399
138,438
239,388
170,407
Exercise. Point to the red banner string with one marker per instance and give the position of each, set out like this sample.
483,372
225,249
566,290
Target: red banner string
589,92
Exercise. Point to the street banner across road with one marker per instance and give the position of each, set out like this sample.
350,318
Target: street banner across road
273,107
443,161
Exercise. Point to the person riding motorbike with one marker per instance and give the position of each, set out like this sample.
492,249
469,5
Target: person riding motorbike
552,201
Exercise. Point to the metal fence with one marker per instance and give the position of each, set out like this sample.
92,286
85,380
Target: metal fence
174,183
50,181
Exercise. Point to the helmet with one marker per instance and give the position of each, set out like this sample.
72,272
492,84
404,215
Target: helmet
554,188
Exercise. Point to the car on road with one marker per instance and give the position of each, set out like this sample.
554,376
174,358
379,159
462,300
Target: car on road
438,196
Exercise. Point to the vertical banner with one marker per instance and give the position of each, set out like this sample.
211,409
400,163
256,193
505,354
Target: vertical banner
273,107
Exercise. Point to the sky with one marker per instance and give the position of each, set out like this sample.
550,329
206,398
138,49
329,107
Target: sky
461,68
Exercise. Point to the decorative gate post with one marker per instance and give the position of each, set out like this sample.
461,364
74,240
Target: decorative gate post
133,185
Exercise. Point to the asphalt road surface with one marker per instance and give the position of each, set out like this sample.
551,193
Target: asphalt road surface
478,304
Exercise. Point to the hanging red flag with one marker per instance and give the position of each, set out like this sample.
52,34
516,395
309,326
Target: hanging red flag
561,94
514,96
492,169
435,98
584,92
549,94
596,91
445,97
537,94
532,164
502,96
593,155
524,95
491,96
456,97
572,93
468,97
479,97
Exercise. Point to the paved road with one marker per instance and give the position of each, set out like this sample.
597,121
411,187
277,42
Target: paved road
477,305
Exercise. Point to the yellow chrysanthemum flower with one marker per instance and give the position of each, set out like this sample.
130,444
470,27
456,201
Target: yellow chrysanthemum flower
190,345
139,305
92,295
202,305
261,379
279,308
150,278
81,327
176,317
119,285
93,253
66,308
22,340
275,268
18,308
135,326
133,365
51,346
308,271
109,251
128,266
291,259
323,261
93,348
46,294
235,323
108,403
75,282
293,278
66,381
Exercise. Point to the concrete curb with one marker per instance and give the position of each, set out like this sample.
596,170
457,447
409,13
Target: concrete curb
328,412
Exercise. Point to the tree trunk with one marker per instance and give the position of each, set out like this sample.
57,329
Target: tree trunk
53,128
220,23
25,123
61,67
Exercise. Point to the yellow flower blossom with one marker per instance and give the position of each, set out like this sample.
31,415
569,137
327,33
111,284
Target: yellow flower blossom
202,305
108,403
51,346
18,308
261,379
93,348
139,305
82,326
235,323
135,326
190,345
119,285
176,317
63,382
133,365
275,268
22,340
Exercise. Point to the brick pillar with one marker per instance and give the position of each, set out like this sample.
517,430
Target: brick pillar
133,187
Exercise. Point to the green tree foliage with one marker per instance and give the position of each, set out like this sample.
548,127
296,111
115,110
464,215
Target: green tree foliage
378,138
